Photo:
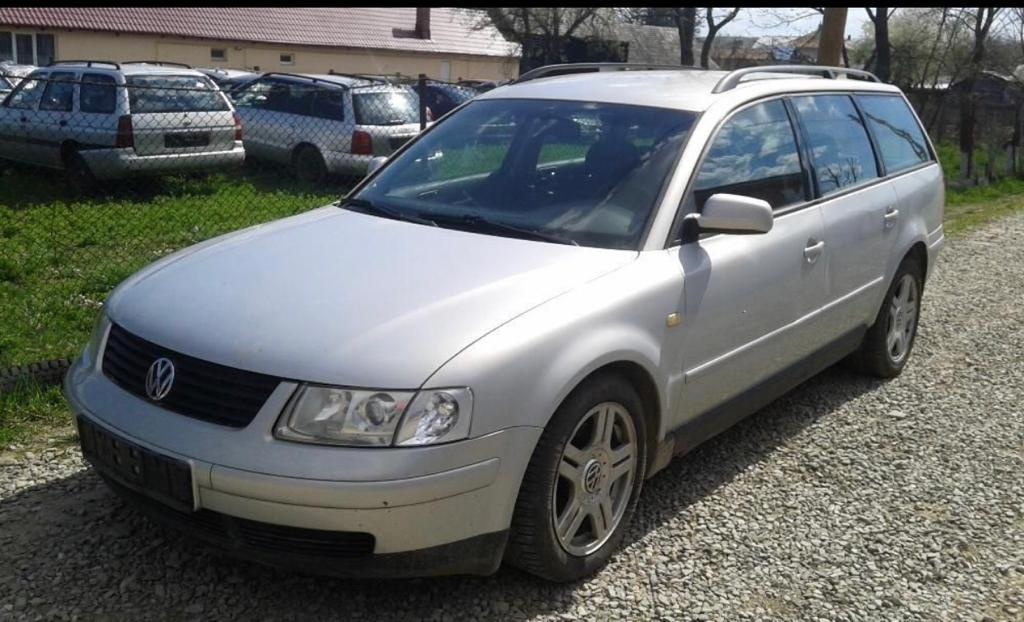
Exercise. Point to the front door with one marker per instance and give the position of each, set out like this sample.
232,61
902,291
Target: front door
748,297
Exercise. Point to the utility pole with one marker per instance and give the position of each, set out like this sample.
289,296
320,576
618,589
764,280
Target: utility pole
833,28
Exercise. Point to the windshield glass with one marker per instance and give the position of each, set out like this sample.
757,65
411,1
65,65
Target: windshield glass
586,172
173,94
386,108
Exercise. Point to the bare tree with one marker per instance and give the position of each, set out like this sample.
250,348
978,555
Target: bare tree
713,28
543,32
981,20
883,49
686,23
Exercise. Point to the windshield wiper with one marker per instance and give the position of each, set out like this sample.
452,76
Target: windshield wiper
479,223
369,207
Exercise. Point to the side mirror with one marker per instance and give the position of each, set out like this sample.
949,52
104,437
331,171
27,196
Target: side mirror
375,164
734,213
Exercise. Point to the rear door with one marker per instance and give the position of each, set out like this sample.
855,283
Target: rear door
95,125
178,114
750,299
855,202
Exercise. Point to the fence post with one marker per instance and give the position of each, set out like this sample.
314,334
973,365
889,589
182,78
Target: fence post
421,88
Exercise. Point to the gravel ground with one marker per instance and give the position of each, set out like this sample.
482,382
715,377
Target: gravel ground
850,499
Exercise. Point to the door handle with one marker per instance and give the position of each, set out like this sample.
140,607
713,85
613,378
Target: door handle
891,216
813,250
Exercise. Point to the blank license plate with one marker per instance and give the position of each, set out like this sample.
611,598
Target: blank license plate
194,139
163,478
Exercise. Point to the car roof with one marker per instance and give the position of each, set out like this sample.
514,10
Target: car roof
681,89
127,69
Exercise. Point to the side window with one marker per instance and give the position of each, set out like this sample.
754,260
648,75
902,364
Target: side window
98,93
754,154
841,153
254,95
28,93
59,94
896,131
329,103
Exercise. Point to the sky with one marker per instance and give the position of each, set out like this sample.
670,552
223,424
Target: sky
788,22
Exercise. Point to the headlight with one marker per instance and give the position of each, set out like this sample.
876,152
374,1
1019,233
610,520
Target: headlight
340,416
337,416
437,416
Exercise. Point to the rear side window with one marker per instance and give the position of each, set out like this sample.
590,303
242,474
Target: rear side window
841,153
329,104
755,155
59,95
98,93
173,94
897,133
386,108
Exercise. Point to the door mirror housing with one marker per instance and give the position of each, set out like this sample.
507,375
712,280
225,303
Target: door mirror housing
734,213
375,164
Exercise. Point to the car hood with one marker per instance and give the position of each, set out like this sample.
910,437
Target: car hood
339,297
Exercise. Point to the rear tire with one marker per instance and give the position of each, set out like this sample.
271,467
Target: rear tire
79,176
308,165
582,484
887,345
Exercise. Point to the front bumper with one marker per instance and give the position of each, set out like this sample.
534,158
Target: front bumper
116,163
425,502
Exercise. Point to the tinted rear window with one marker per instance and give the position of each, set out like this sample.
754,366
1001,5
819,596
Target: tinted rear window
896,131
386,108
173,94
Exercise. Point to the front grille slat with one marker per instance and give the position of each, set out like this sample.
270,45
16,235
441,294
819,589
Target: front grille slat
202,390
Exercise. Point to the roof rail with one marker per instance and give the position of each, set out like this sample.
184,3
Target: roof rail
162,63
548,71
303,77
87,63
358,76
732,80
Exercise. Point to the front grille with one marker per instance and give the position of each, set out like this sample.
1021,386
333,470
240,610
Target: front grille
398,141
245,535
202,390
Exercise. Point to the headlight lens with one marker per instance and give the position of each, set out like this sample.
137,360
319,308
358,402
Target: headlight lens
437,416
339,416
332,415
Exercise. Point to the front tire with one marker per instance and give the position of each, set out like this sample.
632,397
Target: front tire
887,345
582,484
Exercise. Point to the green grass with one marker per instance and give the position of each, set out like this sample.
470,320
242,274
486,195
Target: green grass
60,256
29,410
970,209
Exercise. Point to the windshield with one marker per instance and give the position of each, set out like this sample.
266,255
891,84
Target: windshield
173,94
386,108
585,172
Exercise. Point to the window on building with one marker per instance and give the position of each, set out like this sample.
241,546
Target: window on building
27,48
841,153
755,155
287,59
219,55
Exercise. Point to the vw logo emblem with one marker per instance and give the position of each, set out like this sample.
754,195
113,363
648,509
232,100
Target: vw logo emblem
159,379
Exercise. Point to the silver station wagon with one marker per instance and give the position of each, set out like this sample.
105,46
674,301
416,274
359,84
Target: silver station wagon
320,124
484,351
105,120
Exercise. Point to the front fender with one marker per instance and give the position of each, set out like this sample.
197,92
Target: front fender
523,370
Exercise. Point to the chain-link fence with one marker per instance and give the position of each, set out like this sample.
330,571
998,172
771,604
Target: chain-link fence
105,167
